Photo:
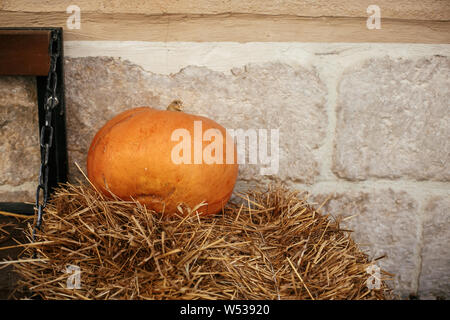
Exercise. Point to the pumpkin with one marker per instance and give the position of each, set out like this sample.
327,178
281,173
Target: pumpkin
137,155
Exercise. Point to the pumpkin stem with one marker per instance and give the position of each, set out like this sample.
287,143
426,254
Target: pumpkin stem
175,105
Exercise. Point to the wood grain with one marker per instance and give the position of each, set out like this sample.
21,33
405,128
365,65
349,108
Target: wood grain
233,27
398,9
24,52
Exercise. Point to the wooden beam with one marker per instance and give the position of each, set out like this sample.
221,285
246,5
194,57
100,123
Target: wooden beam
24,52
234,27
397,9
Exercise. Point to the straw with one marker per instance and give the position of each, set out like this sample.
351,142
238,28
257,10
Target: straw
271,245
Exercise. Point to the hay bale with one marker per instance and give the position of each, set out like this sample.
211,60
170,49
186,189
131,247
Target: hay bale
270,245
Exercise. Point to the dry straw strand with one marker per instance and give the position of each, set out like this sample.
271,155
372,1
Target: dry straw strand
271,245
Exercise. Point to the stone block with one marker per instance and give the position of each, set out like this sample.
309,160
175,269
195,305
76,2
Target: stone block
393,120
19,136
434,279
384,223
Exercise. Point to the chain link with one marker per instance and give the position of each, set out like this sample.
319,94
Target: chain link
46,133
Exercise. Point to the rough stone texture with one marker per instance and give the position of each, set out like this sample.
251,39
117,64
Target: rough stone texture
267,96
435,273
393,120
18,196
384,223
19,148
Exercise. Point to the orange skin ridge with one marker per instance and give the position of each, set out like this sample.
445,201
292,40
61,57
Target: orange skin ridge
130,156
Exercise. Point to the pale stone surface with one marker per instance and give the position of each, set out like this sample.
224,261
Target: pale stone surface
435,273
19,135
17,91
384,223
393,120
18,196
266,96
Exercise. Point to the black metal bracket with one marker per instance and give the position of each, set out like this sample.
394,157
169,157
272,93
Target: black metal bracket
58,159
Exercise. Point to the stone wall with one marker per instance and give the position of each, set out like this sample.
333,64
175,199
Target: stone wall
365,126
19,141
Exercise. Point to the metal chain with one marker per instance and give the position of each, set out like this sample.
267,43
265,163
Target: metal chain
46,133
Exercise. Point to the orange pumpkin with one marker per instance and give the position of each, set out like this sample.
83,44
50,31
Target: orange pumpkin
132,157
